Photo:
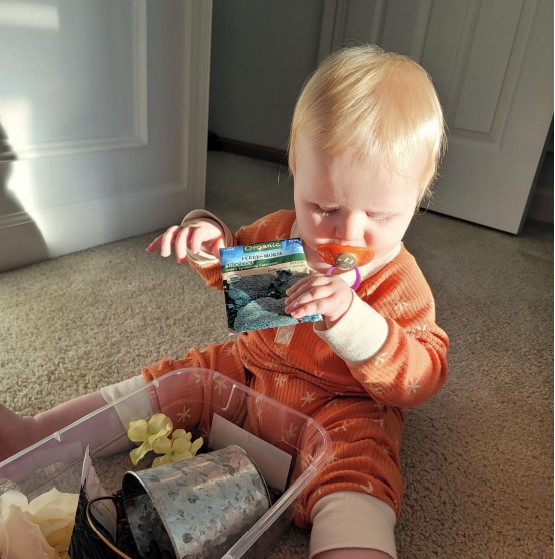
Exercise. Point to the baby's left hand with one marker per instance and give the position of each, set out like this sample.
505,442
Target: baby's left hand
328,295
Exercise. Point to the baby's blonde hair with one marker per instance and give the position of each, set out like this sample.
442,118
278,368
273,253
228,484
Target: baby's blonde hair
373,105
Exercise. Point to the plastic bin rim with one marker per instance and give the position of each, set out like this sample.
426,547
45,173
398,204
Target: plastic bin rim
326,450
319,460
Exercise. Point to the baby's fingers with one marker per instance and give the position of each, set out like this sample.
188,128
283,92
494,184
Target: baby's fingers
299,285
307,299
181,242
163,242
329,296
168,239
306,307
216,246
199,236
188,239
154,245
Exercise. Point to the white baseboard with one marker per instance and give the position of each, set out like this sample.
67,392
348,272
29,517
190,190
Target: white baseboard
37,234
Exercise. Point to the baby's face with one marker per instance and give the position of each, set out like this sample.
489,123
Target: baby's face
340,200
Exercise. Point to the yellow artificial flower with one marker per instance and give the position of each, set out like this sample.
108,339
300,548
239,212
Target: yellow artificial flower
178,448
147,433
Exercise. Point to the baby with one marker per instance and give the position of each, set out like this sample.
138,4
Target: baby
366,137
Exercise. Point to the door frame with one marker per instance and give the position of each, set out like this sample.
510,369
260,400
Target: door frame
198,32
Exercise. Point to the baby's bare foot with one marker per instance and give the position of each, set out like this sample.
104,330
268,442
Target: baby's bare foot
16,432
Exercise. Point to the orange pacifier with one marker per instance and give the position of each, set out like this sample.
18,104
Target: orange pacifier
345,258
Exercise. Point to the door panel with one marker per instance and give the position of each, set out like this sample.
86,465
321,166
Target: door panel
492,65
103,109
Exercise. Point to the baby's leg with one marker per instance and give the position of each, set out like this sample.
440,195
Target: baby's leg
18,432
105,432
191,399
353,501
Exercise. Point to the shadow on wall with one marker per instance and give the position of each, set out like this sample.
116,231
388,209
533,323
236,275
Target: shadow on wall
21,241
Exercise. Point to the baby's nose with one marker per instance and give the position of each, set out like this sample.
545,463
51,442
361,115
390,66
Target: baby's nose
351,227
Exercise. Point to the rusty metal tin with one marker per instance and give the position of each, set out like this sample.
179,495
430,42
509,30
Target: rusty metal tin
197,508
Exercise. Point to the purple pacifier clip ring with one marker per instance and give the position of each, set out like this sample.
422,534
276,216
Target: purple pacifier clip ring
355,285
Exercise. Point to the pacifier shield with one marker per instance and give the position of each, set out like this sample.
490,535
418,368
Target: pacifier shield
344,257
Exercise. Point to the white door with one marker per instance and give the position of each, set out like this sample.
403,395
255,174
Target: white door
492,64
103,113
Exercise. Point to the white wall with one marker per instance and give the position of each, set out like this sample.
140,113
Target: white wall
262,52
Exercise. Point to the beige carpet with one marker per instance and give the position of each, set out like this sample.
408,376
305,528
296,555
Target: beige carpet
478,458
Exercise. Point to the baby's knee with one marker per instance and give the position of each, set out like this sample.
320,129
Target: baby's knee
357,522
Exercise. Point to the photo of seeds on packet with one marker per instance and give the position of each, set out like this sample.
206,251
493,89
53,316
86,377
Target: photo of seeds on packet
255,279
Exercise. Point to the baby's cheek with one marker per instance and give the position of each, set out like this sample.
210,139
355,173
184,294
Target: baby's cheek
320,228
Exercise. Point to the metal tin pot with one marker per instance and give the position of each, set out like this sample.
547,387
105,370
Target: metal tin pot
197,508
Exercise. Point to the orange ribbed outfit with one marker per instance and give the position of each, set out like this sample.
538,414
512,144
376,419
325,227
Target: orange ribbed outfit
359,402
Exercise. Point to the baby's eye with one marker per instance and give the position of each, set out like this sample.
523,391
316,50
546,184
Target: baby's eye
324,212
378,218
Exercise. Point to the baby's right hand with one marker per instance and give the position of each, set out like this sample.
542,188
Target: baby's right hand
197,235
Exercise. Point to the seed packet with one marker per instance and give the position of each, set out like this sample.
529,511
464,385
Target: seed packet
255,279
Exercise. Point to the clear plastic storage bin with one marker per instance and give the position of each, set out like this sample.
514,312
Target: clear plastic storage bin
56,461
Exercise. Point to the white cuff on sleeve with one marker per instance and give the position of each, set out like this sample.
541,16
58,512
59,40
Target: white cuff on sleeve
136,407
347,519
358,335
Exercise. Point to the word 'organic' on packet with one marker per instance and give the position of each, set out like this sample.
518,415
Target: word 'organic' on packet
255,279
